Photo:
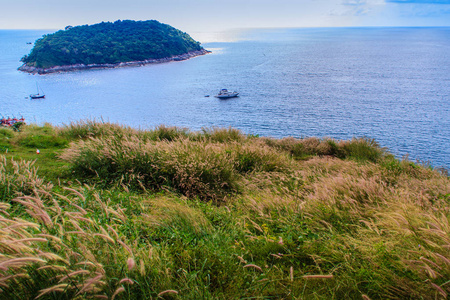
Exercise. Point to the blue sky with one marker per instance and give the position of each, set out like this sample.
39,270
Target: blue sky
214,15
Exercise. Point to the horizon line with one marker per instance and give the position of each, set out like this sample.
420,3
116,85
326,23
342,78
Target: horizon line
281,27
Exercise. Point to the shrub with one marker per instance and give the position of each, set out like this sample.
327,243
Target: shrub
191,168
16,126
361,149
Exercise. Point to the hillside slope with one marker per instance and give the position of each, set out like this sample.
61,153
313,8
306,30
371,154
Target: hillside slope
109,212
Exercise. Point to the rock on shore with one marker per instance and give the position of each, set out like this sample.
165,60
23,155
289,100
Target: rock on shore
76,67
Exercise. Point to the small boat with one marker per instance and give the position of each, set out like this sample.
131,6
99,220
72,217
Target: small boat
37,96
224,93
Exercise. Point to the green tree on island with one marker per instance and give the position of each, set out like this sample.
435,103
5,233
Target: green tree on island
110,43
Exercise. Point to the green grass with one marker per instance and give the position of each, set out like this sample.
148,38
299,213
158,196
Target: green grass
106,211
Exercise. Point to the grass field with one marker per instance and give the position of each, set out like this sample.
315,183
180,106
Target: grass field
109,212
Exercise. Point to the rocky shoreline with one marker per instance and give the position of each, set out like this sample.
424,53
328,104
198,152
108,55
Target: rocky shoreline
77,67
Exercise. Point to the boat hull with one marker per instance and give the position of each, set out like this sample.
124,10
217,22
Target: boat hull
37,96
227,96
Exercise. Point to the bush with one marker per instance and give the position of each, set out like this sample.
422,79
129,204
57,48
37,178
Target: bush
191,168
17,126
361,149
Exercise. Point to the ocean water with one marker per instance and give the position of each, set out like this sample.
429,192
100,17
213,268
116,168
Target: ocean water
390,84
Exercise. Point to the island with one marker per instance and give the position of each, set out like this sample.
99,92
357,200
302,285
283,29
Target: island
110,45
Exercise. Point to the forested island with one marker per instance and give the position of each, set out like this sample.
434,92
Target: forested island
109,45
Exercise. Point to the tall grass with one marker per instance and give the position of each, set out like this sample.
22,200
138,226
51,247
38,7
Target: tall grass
360,149
91,128
223,217
191,168
221,135
195,168
41,137
18,178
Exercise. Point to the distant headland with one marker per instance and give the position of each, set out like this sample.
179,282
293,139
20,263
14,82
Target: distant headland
110,45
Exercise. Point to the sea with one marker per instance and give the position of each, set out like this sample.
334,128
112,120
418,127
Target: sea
389,84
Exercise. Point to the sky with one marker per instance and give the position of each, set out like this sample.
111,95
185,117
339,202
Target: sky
214,15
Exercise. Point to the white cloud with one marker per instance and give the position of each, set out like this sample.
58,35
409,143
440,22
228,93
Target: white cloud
357,8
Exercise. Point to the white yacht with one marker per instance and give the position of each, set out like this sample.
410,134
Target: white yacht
224,93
